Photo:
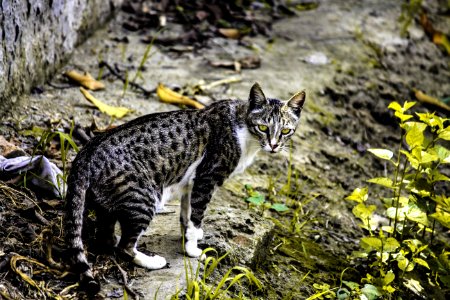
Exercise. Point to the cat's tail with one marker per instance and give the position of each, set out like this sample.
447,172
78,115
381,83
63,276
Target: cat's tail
75,205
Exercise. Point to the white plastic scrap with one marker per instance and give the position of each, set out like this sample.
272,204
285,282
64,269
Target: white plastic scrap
46,174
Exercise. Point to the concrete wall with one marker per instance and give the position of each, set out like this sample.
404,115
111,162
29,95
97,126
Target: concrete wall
37,36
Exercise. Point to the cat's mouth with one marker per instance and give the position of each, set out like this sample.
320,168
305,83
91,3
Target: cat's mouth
270,149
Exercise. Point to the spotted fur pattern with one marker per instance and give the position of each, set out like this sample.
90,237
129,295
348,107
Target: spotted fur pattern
127,173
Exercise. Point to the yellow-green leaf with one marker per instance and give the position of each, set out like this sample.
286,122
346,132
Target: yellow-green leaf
427,157
35,131
414,213
390,276
414,137
407,105
442,217
113,111
443,201
438,176
395,106
403,117
412,160
363,212
382,153
421,187
388,229
390,213
408,125
390,245
421,262
445,134
371,292
359,195
404,264
413,244
370,243
443,154
431,119
387,182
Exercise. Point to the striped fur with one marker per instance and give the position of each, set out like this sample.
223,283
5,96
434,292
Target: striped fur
123,173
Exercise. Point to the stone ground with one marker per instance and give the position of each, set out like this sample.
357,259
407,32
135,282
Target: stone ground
351,60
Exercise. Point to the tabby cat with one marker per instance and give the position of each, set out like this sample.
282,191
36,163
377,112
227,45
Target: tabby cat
126,174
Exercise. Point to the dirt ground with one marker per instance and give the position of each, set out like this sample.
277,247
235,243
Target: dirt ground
352,61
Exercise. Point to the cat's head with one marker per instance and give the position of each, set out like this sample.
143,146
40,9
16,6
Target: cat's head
272,121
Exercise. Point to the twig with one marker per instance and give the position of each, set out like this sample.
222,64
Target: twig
4,188
48,240
4,295
45,291
125,281
68,288
60,86
133,84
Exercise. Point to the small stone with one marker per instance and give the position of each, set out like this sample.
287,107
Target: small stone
317,58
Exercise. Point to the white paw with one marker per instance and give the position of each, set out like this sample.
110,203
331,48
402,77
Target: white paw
150,262
198,233
192,250
193,233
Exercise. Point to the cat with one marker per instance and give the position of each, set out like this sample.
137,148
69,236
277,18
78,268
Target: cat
126,174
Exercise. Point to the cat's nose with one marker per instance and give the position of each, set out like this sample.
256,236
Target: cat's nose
273,146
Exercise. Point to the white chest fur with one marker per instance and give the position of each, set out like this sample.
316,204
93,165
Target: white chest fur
249,148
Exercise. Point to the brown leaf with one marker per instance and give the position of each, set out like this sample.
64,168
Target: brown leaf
437,36
424,98
85,80
250,62
169,96
231,33
7,149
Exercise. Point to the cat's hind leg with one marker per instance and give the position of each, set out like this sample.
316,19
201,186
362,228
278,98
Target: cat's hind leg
134,219
105,236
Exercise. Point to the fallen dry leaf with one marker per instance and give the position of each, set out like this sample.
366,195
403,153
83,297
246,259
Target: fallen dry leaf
113,111
437,36
441,39
85,80
231,33
204,87
424,98
169,96
248,62
6,148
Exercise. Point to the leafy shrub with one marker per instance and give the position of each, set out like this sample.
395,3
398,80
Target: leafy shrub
414,208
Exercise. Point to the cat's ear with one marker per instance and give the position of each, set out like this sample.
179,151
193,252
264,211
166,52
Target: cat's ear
296,102
257,98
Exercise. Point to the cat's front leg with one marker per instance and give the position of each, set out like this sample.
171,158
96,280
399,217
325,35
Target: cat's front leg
191,241
201,194
191,233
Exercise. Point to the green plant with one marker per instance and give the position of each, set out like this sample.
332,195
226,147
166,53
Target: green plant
45,136
201,287
256,199
409,10
413,208
284,199
146,56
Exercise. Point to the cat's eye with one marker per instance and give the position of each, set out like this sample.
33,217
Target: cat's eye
286,130
263,128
